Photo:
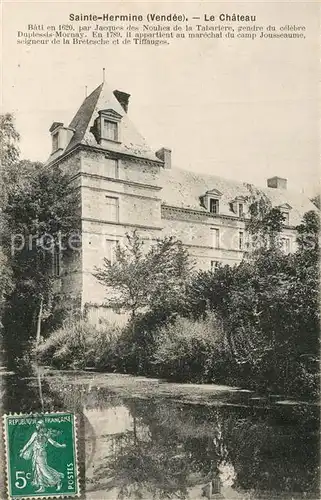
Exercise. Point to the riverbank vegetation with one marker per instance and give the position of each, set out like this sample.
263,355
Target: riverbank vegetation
254,325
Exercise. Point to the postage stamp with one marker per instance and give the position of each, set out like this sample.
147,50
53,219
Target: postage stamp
41,455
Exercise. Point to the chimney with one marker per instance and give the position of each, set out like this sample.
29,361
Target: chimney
277,182
165,154
122,98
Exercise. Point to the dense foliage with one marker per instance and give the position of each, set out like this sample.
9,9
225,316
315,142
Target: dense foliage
255,324
37,216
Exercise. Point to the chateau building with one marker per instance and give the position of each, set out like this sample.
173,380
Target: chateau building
124,185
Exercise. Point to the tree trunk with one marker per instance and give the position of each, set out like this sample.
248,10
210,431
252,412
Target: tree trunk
39,322
40,388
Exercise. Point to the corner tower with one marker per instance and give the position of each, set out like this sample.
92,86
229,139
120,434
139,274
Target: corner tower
117,175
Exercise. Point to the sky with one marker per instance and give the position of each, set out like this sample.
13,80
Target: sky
241,109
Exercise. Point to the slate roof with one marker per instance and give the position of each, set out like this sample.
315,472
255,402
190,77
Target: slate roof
132,142
183,189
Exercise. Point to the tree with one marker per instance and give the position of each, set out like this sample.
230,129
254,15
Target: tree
270,312
139,280
42,215
266,222
6,282
9,155
309,231
9,150
38,214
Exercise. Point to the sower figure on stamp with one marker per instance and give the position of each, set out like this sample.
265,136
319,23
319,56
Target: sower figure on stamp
44,476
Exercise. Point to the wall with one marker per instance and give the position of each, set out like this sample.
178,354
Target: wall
195,231
139,208
135,188
70,282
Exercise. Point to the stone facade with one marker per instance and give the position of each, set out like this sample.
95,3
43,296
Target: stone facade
124,186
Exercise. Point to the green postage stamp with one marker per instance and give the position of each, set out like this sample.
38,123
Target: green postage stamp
41,455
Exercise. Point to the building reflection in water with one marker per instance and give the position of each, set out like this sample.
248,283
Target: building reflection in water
153,449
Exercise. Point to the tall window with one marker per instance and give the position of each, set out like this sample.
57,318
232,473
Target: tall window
55,141
111,168
241,209
214,206
241,240
215,233
285,245
111,209
110,130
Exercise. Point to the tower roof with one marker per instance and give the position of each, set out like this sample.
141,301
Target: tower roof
102,98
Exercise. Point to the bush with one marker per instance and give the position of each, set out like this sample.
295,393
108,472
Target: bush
191,350
79,344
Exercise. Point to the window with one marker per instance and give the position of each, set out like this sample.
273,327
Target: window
56,262
241,209
285,218
214,265
215,237
285,245
110,130
214,206
111,209
111,168
55,141
241,240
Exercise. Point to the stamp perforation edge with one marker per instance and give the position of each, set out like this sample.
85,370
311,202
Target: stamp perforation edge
6,451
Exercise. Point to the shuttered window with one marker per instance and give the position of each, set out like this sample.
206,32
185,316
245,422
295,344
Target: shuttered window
110,130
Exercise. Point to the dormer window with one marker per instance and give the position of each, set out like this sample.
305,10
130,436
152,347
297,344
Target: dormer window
110,130
211,201
60,136
285,211
214,206
238,206
107,126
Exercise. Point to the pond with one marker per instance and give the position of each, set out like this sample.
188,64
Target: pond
146,439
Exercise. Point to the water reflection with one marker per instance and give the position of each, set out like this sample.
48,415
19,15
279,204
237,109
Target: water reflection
156,448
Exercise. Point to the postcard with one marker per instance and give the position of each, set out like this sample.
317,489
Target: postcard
159,254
